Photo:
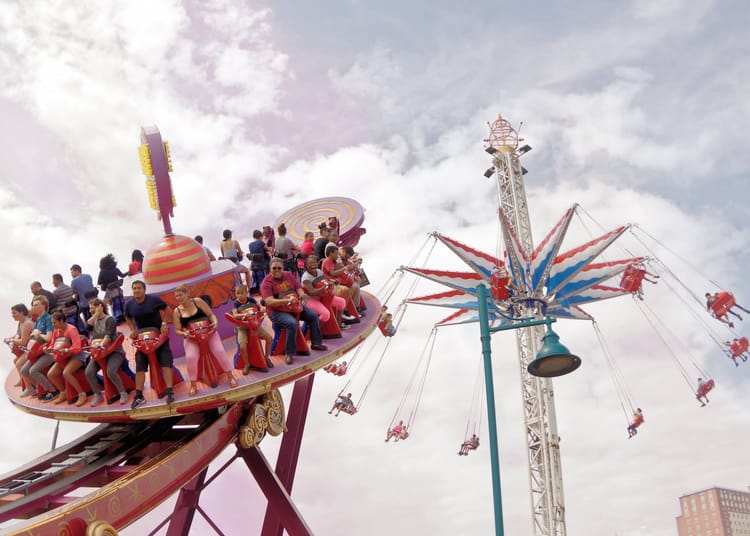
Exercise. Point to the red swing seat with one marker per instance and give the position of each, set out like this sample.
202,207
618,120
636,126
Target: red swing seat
632,278
499,280
740,347
724,302
705,388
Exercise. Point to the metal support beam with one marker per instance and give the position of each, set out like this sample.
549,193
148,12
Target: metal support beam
484,329
286,463
278,499
184,509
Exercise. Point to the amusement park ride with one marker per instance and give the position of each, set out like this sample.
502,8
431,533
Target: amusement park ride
524,287
138,457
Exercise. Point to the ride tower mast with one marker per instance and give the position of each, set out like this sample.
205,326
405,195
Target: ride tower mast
542,440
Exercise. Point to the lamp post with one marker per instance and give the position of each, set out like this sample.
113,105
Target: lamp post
553,359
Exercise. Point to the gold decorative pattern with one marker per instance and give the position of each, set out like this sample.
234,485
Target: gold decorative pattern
113,507
267,415
100,528
275,412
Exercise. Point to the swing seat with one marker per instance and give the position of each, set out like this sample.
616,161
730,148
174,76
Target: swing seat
350,410
499,285
336,370
385,331
739,347
632,278
706,388
724,302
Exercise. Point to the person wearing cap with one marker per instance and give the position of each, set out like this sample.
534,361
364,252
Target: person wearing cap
231,250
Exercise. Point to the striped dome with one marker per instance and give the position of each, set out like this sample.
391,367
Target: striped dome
174,259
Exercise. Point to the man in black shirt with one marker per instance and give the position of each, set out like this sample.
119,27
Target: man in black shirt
147,311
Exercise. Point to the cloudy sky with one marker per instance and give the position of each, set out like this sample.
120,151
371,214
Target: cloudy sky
636,110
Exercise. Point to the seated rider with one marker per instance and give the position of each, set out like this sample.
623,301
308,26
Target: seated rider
397,431
701,393
470,444
336,369
736,350
344,403
711,299
637,421
386,321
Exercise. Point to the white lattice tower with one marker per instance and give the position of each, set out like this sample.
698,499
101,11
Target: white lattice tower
542,441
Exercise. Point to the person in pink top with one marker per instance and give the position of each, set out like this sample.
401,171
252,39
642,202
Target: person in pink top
305,250
63,330
317,285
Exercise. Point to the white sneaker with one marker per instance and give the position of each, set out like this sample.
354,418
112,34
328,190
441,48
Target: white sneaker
344,326
26,392
123,398
96,400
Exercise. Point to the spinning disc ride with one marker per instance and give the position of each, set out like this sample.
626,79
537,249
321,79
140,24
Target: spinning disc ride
137,458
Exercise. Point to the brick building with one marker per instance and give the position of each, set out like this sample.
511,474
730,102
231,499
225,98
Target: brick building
714,512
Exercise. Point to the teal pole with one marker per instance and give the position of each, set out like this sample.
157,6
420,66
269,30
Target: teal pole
484,331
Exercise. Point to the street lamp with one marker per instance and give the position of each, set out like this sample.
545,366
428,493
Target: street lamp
553,359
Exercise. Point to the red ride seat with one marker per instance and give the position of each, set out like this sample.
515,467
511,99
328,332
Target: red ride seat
208,366
632,278
62,358
148,340
706,388
724,302
329,329
499,280
250,320
126,376
303,348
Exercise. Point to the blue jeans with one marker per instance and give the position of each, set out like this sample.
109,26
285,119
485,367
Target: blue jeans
283,320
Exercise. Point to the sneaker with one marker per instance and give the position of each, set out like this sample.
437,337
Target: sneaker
62,397
170,396
48,397
123,398
27,392
269,363
137,401
344,326
347,316
96,400
81,399
289,360
319,347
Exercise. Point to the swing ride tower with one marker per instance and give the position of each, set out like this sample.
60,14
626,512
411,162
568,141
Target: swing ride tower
542,440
